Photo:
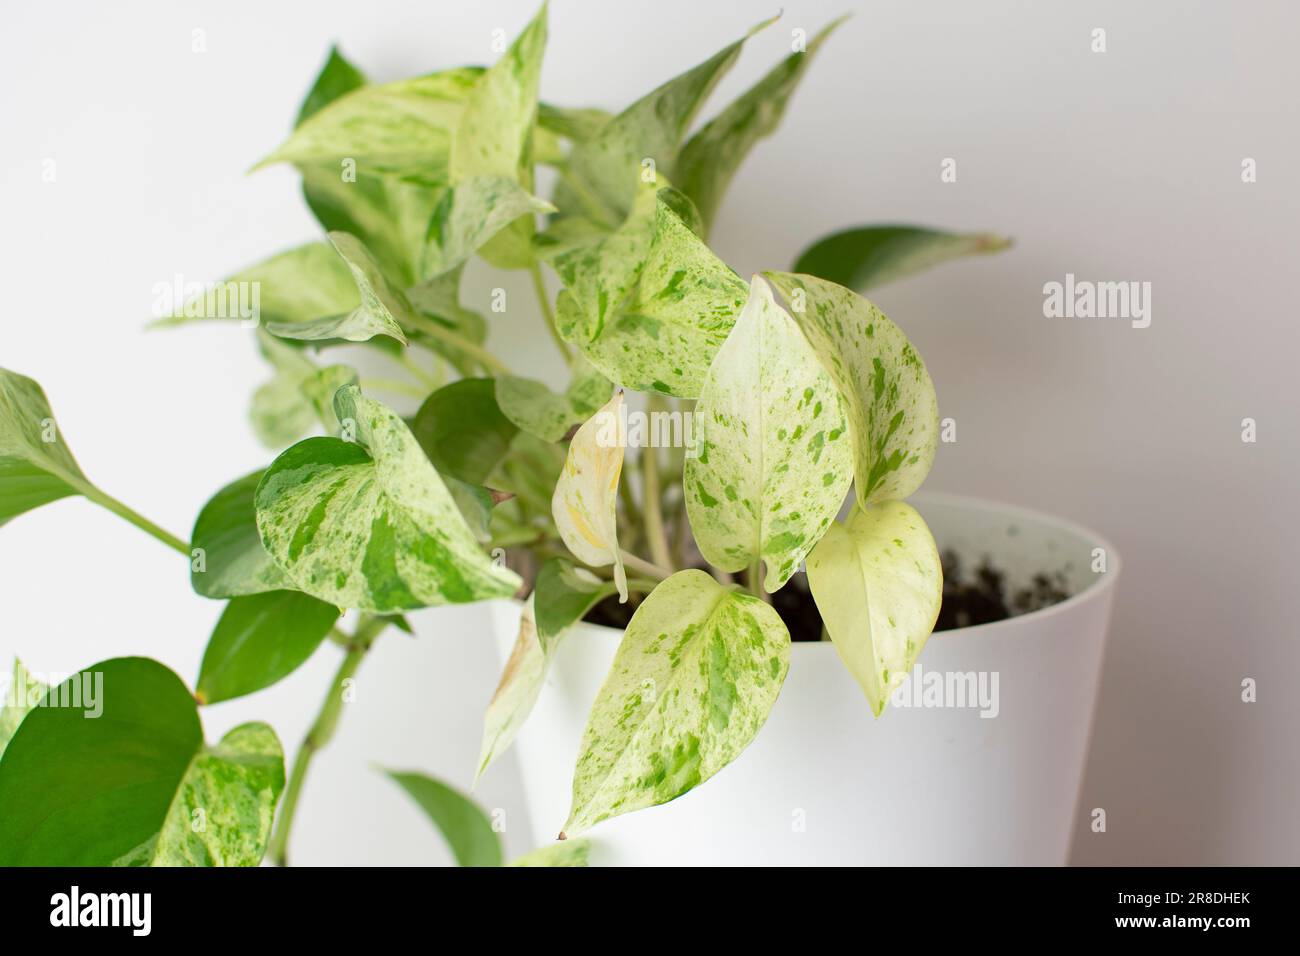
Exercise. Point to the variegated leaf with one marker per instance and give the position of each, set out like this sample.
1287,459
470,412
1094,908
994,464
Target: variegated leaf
20,695
679,307
369,523
470,214
517,690
871,256
878,584
533,407
403,128
378,314
711,157
694,679
586,496
299,395
776,460
893,411
36,467
563,853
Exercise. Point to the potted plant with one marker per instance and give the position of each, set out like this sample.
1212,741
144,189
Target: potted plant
757,562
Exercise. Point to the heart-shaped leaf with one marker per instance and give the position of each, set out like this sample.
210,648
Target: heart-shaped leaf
111,769
586,496
776,460
694,679
378,314
36,467
230,560
464,826
711,157
893,411
677,307
370,524
871,256
260,639
878,584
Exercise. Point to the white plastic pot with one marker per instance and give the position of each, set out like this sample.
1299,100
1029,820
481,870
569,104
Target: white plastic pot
826,783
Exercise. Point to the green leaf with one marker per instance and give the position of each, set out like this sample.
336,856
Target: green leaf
679,305
114,777
297,396
258,640
464,826
871,256
233,561
462,430
563,853
22,694
562,597
336,78
534,408
878,584
403,128
575,125
609,163
776,461
893,411
516,693
711,157
438,299
36,467
694,679
302,284
370,524
472,213
376,315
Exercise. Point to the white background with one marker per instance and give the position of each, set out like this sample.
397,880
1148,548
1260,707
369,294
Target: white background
1116,166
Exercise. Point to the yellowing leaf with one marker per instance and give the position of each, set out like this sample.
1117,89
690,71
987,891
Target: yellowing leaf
586,496
878,583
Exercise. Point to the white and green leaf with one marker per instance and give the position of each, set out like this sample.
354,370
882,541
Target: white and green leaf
694,679
470,214
892,407
17,698
776,460
878,585
517,691
36,466
534,408
563,853
369,523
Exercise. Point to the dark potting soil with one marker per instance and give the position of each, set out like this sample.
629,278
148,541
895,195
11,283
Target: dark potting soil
979,596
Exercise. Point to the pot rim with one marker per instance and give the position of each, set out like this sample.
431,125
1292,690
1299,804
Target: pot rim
1093,591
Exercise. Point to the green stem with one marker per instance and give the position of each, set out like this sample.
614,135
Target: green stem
642,566
425,379
137,519
394,386
543,299
320,734
653,510
755,581
443,334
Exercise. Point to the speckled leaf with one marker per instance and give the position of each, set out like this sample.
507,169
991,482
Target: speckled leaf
776,460
563,853
608,164
298,396
234,563
404,128
462,823
533,407
36,467
304,283
893,411
517,690
470,214
20,695
259,639
711,157
677,313
586,496
370,524
562,597
870,256
878,584
222,812
381,306
120,788
693,681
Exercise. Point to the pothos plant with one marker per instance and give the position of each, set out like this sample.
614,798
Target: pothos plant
498,486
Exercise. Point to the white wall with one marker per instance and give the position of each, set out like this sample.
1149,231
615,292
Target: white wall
1123,165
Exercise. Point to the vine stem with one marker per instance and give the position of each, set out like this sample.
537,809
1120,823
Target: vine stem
320,734
653,510
481,355
122,511
754,579
544,300
642,566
